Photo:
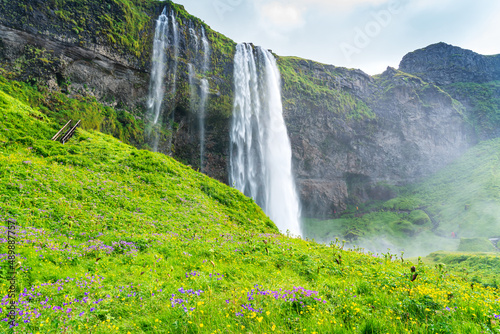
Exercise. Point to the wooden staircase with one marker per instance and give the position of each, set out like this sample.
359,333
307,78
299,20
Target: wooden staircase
68,134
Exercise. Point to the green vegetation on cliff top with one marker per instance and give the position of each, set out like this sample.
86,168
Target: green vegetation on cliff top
324,92
111,239
124,25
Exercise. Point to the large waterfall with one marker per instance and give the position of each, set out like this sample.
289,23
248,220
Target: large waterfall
261,155
156,83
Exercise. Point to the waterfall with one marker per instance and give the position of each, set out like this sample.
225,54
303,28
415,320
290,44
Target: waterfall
206,50
203,88
194,36
175,30
192,86
203,102
158,72
260,152
173,91
156,83
204,95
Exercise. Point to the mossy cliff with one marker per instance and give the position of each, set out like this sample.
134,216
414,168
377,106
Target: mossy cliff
353,136
101,51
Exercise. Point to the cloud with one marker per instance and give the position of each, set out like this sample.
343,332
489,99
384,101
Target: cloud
339,4
484,40
314,29
285,17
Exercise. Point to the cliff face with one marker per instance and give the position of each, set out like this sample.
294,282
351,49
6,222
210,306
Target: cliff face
444,64
470,78
102,50
385,130
353,136
74,43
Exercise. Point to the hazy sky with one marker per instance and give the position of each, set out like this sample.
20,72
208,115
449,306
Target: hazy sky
365,34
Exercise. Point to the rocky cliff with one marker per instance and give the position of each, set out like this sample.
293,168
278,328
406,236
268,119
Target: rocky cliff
353,136
470,78
444,64
102,50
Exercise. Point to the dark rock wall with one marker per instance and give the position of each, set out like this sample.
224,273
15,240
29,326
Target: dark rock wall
470,78
416,130
445,64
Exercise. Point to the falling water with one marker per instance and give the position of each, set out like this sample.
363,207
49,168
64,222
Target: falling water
192,86
203,103
175,43
206,50
261,155
194,36
175,30
204,95
156,84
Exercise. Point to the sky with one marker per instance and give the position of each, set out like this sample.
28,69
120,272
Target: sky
365,34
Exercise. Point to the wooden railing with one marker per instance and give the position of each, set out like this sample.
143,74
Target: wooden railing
67,136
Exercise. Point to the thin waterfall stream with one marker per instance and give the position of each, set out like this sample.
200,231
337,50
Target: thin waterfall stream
158,68
204,95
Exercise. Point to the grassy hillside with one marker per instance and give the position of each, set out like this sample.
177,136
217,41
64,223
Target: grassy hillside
61,108
461,201
483,268
112,239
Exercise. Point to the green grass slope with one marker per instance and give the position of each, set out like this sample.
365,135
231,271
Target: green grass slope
483,268
111,239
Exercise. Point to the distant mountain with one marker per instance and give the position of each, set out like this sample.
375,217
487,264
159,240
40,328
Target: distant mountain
470,78
444,64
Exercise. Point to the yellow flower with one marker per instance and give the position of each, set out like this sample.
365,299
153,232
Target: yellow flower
201,325
260,319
